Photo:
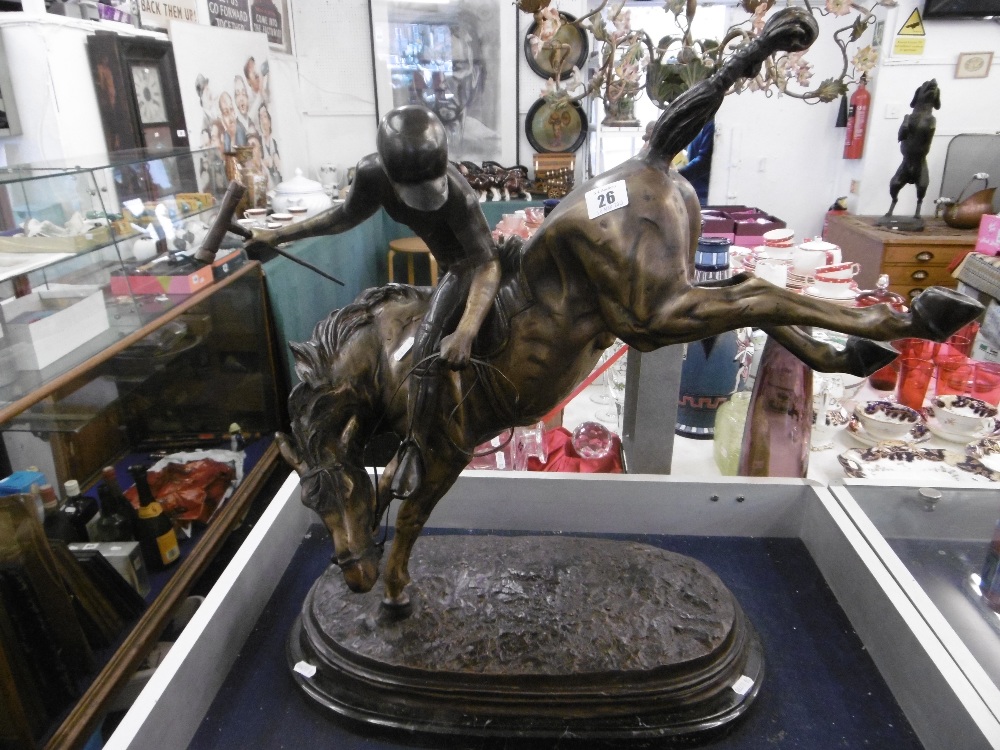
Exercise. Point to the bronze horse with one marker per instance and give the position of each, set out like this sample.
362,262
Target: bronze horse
565,295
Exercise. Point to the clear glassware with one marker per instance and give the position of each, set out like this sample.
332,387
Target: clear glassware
616,386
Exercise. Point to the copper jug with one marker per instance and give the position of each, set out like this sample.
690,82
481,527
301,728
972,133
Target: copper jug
966,213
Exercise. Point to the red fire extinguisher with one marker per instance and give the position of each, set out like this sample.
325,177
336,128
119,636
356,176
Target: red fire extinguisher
857,120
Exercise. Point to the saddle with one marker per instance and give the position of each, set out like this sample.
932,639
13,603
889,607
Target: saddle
512,298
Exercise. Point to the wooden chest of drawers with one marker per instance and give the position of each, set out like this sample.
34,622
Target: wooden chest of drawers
913,260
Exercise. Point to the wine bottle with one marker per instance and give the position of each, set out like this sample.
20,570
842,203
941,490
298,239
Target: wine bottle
122,504
58,525
111,525
80,509
153,531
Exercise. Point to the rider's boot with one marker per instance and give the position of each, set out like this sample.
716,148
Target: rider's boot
422,406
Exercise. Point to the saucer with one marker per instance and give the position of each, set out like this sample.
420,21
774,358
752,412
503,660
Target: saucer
954,437
850,293
919,434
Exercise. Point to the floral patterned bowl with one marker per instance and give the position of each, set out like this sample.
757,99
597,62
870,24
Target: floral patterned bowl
887,420
964,415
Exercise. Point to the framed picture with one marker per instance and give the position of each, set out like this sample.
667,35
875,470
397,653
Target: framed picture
973,65
572,50
9,123
555,129
458,59
227,96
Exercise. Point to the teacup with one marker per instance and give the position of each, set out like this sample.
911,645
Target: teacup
831,271
964,415
783,237
887,420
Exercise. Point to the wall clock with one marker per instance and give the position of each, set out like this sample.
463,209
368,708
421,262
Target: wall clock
137,92
148,94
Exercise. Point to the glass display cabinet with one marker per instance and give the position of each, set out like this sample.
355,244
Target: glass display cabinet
942,547
854,658
116,347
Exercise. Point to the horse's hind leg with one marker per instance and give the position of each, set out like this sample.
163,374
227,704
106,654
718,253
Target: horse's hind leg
697,312
859,357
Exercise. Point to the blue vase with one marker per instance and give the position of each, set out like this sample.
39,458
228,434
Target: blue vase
714,367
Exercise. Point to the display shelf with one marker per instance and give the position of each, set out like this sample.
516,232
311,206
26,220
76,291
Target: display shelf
37,389
809,698
66,231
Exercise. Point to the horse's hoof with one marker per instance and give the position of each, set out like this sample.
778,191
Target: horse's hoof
865,356
939,312
394,611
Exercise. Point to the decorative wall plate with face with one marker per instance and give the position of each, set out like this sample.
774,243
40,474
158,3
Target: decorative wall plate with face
149,94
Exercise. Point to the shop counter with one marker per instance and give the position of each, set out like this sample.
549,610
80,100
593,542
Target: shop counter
851,659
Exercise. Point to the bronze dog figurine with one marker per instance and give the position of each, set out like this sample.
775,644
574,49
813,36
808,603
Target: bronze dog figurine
915,136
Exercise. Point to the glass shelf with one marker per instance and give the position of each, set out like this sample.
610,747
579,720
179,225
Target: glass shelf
71,234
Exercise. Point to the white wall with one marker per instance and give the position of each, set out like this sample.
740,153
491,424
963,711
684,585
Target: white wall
787,157
967,106
776,153
53,89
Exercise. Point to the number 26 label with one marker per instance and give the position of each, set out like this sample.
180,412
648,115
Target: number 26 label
601,200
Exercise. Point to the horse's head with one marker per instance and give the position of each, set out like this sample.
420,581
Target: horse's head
326,449
927,95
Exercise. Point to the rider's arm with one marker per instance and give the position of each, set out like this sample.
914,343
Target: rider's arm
362,202
481,256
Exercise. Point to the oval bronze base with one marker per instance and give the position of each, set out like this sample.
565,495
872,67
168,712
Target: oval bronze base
534,637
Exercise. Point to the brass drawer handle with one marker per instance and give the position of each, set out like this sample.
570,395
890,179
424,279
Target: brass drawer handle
925,256
919,275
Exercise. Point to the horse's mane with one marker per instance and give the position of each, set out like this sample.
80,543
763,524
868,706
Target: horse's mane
314,359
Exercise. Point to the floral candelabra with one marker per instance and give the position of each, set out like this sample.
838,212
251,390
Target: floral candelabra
630,63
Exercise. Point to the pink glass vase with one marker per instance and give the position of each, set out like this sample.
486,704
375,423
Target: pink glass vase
779,420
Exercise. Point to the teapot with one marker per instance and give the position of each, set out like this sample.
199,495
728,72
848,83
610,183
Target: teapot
300,193
810,255
965,214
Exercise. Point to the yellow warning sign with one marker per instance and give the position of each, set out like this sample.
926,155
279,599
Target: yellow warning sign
913,26
903,45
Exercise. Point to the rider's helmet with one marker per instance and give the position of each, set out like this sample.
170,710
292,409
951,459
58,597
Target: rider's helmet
413,148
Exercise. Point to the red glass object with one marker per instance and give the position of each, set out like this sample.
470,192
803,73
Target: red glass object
884,379
914,377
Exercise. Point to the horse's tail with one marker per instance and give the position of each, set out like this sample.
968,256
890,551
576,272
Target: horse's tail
791,30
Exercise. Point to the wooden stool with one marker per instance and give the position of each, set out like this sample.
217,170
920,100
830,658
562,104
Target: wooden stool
412,246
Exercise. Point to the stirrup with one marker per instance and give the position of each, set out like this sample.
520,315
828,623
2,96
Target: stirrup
409,474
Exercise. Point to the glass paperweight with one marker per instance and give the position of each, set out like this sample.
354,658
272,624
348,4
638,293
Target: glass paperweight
592,440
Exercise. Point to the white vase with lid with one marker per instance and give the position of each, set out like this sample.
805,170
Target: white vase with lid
300,195
812,254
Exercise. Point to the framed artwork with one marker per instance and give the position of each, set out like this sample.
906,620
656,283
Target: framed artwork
973,65
572,50
137,92
227,96
555,129
458,59
9,123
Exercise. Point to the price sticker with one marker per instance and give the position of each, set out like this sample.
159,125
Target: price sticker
742,686
606,198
